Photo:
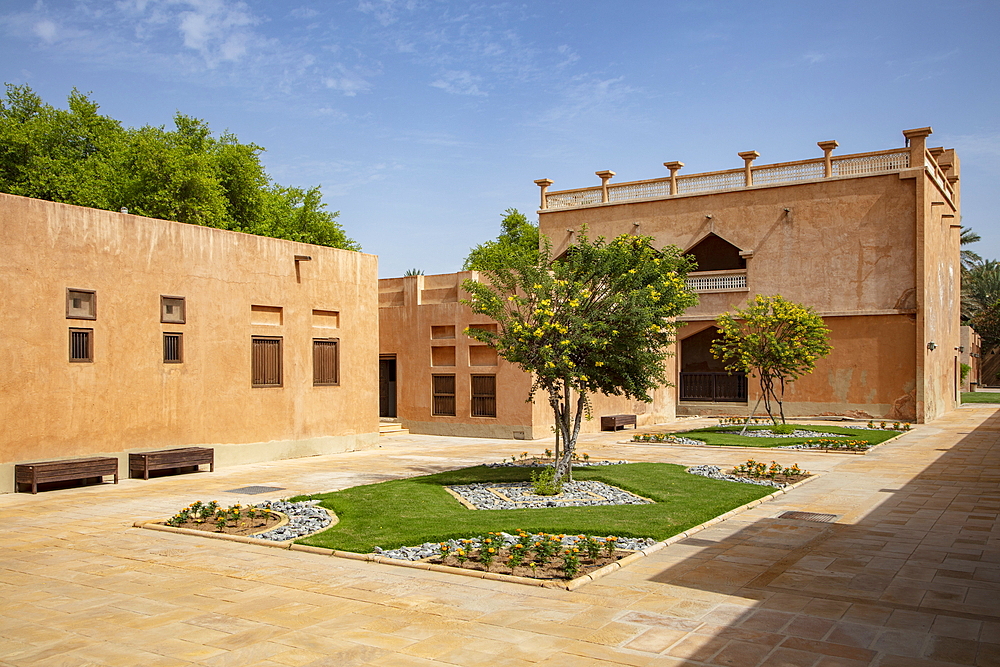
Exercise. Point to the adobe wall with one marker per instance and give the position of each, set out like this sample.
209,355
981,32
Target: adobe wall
847,244
938,295
409,309
869,247
128,399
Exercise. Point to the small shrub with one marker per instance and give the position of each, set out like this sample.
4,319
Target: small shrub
544,482
783,429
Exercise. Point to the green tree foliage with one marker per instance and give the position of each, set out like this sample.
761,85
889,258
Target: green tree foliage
517,237
775,340
77,156
968,257
599,320
986,323
980,287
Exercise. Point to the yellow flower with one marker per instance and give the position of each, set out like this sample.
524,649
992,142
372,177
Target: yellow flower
598,363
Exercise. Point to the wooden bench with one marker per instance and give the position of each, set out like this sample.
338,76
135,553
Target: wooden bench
165,459
615,422
62,471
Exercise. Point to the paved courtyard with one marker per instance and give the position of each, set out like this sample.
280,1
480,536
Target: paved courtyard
907,576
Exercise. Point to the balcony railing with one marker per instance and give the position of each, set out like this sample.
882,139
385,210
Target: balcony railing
713,387
859,164
723,281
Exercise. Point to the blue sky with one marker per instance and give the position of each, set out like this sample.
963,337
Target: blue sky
423,120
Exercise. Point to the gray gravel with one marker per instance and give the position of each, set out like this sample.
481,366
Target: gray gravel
304,518
429,549
672,440
522,496
576,464
797,433
715,472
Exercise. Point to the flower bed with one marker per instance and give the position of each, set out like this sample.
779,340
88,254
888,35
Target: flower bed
831,445
755,472
234,520
525,554
276,521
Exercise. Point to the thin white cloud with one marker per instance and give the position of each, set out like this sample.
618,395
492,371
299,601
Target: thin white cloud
813,57
460,82
46,30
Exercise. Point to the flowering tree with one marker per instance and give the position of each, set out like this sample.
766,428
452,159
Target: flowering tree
598,319
774,339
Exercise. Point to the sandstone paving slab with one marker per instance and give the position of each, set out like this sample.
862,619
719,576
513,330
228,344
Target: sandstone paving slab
929,482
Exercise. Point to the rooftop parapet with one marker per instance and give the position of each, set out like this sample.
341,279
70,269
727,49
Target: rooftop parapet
915,154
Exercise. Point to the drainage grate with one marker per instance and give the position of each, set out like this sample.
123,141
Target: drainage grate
809,516
254,490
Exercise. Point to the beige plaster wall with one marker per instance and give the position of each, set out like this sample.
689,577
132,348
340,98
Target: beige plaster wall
128,398
867,246
938,296
845,244
410,307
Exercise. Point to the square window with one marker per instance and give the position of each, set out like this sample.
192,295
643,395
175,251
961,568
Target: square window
81,345
484,395
443,331
172,309
443,356
173,348
444,395
326,362
81,304
265,361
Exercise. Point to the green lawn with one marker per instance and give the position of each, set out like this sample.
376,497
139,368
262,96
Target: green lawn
412,511
731,437
980,397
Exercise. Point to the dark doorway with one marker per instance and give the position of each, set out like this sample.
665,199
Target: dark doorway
703,377
387,386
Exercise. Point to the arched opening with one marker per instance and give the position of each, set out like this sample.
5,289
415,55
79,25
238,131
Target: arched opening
714,253
703,377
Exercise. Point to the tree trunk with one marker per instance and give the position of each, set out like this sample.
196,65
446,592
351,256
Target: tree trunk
568,426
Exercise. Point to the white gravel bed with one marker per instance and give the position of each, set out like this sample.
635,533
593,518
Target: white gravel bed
429,549
715,472
672,440
304,518
797,433
535,464
521,495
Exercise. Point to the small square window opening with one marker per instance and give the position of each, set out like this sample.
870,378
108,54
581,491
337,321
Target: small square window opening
173,348
81,345
81,304
172,309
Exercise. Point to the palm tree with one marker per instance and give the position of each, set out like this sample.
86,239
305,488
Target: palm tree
980,287
968,257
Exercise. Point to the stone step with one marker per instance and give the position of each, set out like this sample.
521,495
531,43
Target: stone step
391,428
